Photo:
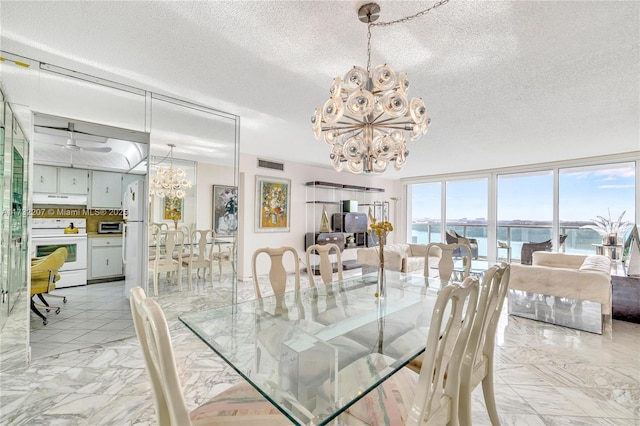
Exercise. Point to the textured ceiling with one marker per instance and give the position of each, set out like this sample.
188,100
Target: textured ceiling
505,82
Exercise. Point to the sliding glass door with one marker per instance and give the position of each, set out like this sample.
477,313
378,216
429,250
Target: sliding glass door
525,210
426,213
605,193
466,210
508,209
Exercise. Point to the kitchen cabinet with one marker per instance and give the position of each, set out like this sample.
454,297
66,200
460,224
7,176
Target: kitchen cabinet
105,259
45,179
106,190
73,181
60,180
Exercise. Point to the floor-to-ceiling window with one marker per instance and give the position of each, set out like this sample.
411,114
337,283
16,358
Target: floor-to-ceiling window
426,208
524,210
466,210
601,196
530,205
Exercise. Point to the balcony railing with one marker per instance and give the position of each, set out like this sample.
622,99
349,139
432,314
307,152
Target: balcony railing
579,241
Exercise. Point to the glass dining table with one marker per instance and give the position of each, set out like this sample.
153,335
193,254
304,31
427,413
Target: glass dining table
292,347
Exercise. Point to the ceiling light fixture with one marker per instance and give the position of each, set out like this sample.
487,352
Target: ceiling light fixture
169,182
365,119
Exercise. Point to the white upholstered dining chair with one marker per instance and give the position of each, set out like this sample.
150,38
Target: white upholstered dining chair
430,397
277,271
325,266
168,257
230,254
198,257
477,366
445,263
239,405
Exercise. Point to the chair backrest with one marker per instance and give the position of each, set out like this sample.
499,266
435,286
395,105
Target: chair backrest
277,272
161,225
198,248
449,332
445,263
153,333
493,291
44,270
562,239
169,243
451,236
325,266
186,232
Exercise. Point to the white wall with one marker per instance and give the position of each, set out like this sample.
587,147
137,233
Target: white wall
299,174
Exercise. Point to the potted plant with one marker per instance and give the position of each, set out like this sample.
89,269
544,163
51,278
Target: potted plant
611,231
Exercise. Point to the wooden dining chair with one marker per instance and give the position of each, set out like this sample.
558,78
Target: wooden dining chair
199,254
230,254
168,244
477,366
239,405
428,397
277,271
325,265
445,263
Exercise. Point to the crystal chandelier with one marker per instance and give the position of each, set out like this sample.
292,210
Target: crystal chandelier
369,114
170,182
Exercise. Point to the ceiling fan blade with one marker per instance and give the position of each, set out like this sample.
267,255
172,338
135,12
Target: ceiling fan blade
104,149
64,132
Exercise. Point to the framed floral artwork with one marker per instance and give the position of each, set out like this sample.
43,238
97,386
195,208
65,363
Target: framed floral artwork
173,209
225,210
272,204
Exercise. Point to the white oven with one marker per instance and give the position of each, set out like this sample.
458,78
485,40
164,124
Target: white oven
48,235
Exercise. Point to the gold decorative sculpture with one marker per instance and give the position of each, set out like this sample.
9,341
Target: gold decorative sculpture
324,220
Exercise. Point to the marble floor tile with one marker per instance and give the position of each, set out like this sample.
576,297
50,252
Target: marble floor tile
545,374
507,401
549,400
587,421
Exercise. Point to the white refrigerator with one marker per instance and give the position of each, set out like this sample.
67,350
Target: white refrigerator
134,236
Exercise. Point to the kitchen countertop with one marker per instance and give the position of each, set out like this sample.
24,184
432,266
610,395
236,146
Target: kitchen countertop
96,235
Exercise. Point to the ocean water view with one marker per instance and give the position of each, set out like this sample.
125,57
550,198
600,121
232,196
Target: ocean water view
578,241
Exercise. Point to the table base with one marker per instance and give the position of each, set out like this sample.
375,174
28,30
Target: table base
572,313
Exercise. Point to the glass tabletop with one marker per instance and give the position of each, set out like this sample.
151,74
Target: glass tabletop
477,266
291,347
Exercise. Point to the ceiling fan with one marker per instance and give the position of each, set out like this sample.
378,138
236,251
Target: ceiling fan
72,144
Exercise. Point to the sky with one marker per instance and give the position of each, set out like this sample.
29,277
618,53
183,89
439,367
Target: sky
585,193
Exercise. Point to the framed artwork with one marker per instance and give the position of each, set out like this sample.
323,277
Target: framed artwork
173,208
225,210
272,204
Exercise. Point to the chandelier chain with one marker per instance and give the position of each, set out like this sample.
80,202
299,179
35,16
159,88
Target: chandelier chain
407,18
369,48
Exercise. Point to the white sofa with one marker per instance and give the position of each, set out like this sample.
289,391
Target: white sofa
566,275
401,257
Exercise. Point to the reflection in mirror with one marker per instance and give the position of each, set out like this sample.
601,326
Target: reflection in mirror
14,154
199,145
206,138
87,164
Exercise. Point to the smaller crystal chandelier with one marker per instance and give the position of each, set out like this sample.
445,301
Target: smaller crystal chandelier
365,119
169,182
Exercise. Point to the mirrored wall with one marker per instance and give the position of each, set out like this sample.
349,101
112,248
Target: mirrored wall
14,258
205,146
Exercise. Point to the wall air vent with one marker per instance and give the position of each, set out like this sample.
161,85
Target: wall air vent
266,164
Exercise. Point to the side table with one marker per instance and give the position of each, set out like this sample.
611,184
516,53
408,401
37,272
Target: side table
612,251
625,302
